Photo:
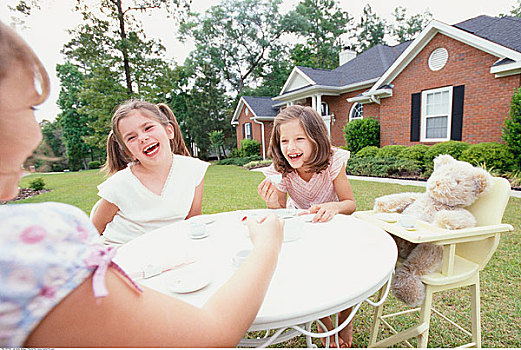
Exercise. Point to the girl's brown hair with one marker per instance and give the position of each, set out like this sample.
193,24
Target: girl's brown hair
14,50
118,156
316,131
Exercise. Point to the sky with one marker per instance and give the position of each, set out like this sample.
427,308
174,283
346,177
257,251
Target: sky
46,29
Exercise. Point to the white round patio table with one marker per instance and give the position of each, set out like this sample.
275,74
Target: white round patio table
332,266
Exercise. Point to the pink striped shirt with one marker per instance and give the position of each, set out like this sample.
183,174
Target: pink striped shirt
319,189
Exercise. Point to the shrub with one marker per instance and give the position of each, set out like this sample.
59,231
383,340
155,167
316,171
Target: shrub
95,164
491,155
415,153
240,161
360,133
367,151
250,147
37,184
236,153
454,148
391,151
512,128
257,163
382,167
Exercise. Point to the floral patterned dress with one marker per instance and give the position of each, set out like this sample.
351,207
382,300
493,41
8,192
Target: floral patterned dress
46,251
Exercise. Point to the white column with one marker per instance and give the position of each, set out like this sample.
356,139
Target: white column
313,102
319,105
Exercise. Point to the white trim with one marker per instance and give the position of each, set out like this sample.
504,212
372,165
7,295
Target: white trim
423,118
262,135
506,69
426,36
324,90
295,71
374,96
246,125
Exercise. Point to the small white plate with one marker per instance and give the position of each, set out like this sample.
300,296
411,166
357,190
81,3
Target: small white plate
387,217
189,280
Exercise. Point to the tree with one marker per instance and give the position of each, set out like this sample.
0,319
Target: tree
321,23
235,37
217,141
404,28
73,123
370,31
512,128
208,109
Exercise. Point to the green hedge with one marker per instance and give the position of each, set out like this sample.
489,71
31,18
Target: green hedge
367,151
490,155
382,167
391,151
240,161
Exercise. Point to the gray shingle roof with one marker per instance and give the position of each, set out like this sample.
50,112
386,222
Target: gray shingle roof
368,65
505,31
262,106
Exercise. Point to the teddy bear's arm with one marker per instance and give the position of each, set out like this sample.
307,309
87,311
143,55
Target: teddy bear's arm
454,219
394,203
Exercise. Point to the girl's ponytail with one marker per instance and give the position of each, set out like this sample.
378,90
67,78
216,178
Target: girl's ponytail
177,143
116,157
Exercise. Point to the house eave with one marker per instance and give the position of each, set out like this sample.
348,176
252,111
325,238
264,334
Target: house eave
372,96
325,90
507,69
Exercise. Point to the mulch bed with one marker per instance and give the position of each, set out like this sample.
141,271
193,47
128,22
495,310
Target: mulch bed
26,193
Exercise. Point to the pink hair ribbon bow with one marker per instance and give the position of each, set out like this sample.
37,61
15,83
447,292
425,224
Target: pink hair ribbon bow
101,258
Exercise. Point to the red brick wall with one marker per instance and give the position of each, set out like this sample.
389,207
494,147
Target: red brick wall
339,106
486,102
256,129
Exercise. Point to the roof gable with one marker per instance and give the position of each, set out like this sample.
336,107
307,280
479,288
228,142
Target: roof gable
296,80
260,107
454,32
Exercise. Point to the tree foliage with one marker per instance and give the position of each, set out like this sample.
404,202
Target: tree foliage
236,37
370,31
405,28
321,23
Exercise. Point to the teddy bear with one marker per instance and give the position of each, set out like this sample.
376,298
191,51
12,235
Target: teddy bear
452,186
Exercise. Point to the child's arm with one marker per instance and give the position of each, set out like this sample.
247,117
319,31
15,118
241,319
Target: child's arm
197,202
126,318
346,203
103,215
274,198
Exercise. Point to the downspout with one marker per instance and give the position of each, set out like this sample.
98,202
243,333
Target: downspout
262,133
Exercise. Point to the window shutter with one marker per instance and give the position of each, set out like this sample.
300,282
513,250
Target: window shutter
243,131
415,116
458,94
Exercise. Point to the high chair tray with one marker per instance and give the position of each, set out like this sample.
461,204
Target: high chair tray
425,232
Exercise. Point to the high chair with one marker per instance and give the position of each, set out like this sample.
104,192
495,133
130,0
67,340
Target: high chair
465,253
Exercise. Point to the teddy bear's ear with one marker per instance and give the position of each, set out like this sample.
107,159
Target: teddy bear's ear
443,159
482,181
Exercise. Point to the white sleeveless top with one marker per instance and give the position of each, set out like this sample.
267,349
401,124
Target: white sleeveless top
141,210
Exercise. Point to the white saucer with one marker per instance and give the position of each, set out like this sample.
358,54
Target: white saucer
189,280
387,217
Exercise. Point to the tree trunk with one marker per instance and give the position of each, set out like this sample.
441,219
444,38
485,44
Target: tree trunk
124,51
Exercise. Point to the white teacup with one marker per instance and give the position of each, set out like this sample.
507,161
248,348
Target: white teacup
407,221
198,230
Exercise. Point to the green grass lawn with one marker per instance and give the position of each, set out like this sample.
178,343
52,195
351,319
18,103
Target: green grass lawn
230,188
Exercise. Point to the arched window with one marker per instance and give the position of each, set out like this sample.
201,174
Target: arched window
357,111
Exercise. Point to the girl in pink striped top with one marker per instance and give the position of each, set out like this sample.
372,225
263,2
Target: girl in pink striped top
313,175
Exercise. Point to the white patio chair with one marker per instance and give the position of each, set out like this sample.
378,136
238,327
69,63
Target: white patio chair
465,253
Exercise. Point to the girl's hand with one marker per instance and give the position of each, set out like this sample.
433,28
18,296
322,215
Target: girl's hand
324,212
266,233
268,192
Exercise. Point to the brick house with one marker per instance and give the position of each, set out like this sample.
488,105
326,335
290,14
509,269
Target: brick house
450,83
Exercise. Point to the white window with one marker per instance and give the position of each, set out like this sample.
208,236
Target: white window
436,114
247,131
325,108
356,112
246,111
